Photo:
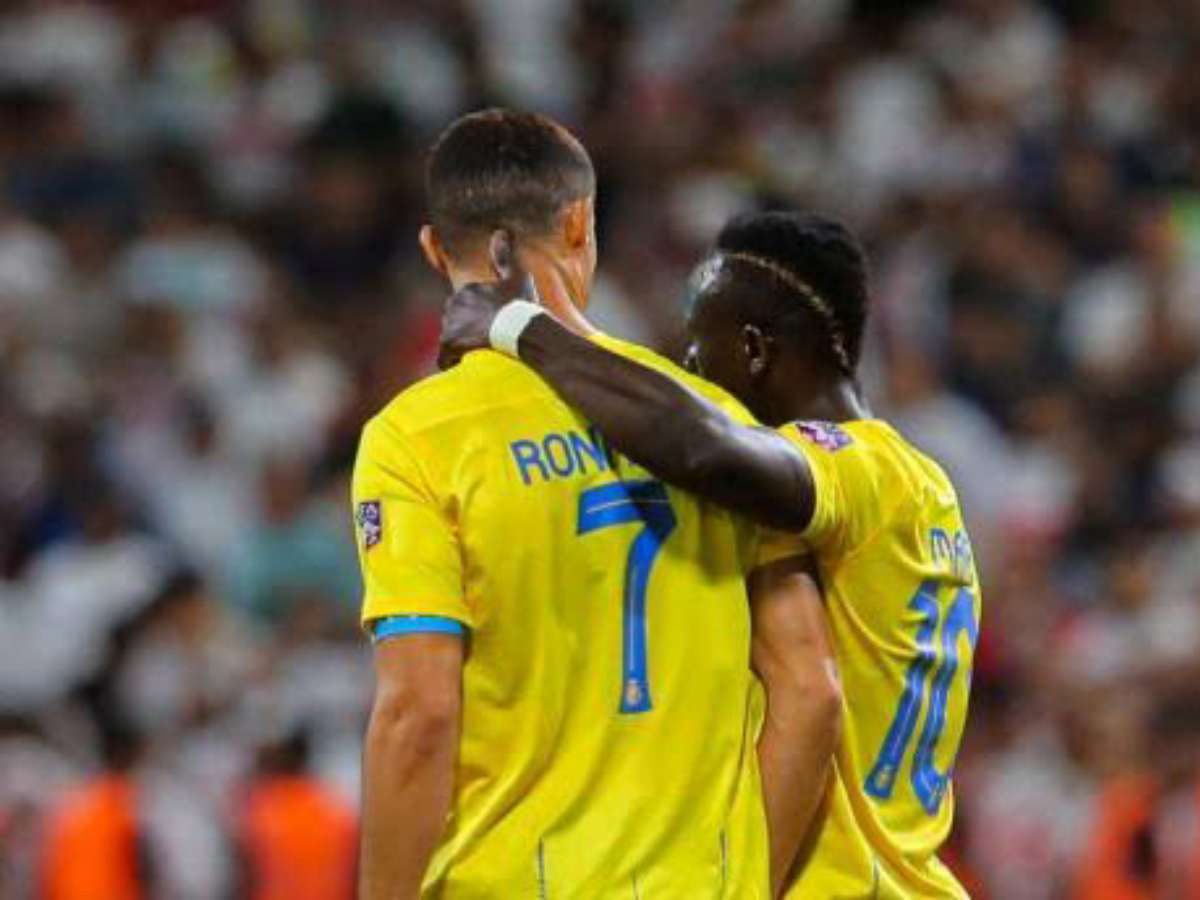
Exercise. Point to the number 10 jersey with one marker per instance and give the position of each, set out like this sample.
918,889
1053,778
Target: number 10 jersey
903,603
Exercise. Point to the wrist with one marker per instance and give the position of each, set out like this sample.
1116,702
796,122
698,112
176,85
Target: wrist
510,323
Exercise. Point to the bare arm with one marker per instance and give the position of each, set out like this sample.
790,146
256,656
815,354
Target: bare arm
651,418
408,761
793,656
673,431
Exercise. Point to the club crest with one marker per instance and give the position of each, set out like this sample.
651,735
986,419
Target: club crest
369,519
825,435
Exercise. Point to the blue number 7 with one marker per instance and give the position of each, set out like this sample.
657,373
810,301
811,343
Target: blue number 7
621,503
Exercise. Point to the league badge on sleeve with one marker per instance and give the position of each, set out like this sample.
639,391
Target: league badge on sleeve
369,519
826,435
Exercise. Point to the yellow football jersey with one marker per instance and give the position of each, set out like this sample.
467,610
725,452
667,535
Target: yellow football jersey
903,604
609,712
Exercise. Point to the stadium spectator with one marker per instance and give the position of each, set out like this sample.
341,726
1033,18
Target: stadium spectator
297,839
95,843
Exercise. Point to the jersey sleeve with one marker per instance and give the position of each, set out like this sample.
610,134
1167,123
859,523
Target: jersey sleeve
846,485
408,547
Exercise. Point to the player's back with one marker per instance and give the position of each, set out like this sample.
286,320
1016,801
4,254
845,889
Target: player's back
903,604
608,707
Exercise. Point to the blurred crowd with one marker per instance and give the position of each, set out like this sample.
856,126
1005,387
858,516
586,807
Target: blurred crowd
209,279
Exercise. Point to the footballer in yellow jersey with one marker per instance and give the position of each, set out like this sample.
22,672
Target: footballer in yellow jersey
777,318
903,602
564,704
607,712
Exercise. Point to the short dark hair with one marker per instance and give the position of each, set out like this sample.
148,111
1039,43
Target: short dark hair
819,253
500,168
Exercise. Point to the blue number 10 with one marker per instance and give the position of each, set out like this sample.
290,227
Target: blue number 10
622,503
928,783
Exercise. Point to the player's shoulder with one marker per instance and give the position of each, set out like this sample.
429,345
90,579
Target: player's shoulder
894,446
639,352
870,452
854,439
925,479
867,475
464,393
654,360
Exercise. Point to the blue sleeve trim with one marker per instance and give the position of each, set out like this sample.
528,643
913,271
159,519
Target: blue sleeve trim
394,626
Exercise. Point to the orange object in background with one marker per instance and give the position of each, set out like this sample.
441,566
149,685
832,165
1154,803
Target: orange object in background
299,841
1118,861
91,844
1192,889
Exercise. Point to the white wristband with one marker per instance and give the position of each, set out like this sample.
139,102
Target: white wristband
510,322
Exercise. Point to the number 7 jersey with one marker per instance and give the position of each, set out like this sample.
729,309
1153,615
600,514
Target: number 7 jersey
903,602
609,712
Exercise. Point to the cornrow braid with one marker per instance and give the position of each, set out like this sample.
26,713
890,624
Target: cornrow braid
814,301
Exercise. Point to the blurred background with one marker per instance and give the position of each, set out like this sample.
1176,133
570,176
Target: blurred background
209,278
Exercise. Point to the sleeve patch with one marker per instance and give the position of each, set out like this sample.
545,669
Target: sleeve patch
369,519
826,435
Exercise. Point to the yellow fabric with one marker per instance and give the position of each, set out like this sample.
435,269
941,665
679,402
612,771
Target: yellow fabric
478,476
887,527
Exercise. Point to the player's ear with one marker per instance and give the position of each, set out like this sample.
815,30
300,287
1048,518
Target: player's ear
759,348
434,253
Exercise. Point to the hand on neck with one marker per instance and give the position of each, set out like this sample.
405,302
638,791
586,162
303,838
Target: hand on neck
558,292
558,285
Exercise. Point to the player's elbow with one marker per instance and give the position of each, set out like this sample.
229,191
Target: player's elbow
726,462
806,700
824,697
705,458
415,724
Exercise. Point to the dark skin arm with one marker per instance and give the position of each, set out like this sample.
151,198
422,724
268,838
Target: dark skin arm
654,420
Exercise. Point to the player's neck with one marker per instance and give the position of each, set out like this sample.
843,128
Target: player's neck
557,290
567,312
842,401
